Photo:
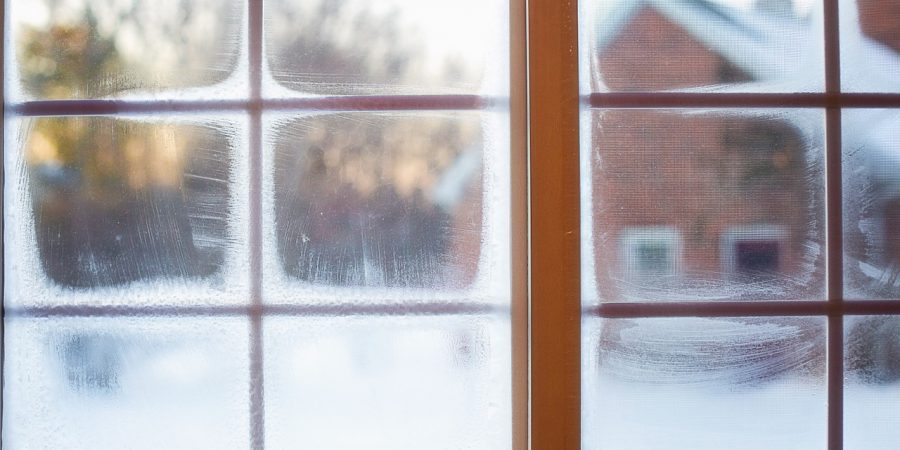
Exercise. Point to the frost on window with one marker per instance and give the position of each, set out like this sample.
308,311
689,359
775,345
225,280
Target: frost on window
379,199
704,383
94,48
716,204
116,201
140,383
872,204
746,46
341,47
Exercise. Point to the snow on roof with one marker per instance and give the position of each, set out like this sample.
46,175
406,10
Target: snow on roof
756,42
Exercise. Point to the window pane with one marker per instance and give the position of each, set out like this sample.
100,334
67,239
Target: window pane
341,47
703,205
872,384
95,48
695,384
870,45
762,46
131,205
392,382
386,201
141,383
872,203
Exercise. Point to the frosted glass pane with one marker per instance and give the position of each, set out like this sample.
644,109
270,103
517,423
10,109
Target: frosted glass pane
136,383
872,204
391,382
697,384
872,384
94,48
339,47
703,205
870,45
380,200
745,46
103,211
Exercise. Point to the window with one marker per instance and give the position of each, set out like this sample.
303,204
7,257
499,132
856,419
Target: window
263,224
296,218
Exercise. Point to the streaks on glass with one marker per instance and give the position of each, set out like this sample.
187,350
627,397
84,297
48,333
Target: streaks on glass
340,47
398,383
94,48
117,201
693,383
706,205
379,199
871,151
142,383
746,46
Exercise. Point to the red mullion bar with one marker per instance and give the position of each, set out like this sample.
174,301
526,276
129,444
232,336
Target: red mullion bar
313,310
331,103
743,309
623,100
834,227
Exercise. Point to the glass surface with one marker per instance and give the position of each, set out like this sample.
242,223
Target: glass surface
697,384
872,383
870,45
720,45
702,205
137,383
122,211
387,201
80,49
388,382
871,143
347,47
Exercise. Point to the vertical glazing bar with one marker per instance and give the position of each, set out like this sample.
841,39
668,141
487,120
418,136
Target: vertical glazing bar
554,225
257,399
834,214
3,29
519,222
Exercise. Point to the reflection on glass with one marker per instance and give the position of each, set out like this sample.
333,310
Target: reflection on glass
380,199
697,384
872,203
706,205
117,201
144,383
93,48
870,45
650,45
340,47
872,384
388,383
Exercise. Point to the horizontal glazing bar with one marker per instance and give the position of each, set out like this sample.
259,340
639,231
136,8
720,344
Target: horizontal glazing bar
332,310
337,103
738,100
744,309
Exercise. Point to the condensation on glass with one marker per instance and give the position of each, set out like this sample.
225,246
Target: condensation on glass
870,45
83,49
718,45
352,47
127,238
704,205
872,383
703,383
871,150
91,383
399,383
391,206
126,211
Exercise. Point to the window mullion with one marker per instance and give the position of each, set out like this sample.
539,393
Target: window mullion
554,225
